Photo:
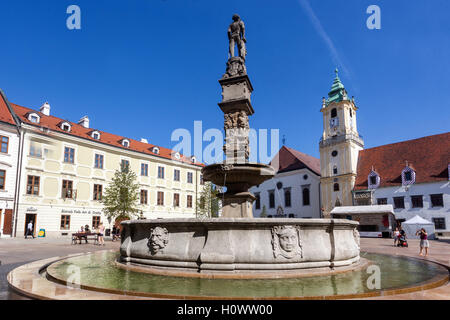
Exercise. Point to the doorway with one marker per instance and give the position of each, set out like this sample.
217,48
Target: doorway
30,217
7,223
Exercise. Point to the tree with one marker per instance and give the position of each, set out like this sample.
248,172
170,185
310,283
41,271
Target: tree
208,204
120,198
263,212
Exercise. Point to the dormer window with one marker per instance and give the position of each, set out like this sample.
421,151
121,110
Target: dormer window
95,135
34,117
193,159
177,155
126,143
65,126
155,150
408,176
374,180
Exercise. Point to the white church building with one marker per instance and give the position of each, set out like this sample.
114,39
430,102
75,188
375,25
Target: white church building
294,192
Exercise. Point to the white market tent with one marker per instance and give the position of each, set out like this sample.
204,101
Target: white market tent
415,223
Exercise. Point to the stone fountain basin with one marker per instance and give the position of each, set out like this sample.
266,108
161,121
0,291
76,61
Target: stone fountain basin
228,245
248,174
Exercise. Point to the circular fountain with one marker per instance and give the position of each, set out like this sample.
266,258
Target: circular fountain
236,245
240,247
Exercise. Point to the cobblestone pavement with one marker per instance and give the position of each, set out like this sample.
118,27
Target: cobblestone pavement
18,251
15,252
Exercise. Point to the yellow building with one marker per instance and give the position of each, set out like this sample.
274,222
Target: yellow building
65,167
339,148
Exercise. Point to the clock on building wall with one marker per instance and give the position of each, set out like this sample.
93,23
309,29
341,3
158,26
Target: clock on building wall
334,122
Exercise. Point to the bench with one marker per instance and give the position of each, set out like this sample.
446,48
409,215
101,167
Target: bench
84,236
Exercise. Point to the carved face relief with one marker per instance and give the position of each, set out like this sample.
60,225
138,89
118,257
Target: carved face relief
286,242
159,237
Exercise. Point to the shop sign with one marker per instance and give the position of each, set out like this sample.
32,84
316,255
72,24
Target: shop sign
78,211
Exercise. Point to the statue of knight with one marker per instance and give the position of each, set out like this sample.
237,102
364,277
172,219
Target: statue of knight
236,35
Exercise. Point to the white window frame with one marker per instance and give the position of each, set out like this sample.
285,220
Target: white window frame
377,182
413,176
125,143
93,133
33,114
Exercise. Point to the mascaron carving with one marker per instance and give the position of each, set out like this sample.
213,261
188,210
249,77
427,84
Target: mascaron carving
158,240
286,242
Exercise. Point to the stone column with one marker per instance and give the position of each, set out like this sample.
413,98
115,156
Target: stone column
236,106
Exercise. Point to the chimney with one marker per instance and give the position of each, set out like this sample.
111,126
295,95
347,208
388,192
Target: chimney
45,109
84,121
144,140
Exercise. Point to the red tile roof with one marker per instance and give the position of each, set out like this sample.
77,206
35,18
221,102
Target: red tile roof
428,156
5,114
78,130
290,159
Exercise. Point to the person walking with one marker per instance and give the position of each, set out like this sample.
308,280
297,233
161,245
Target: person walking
396,236
423,241
29,230
101,234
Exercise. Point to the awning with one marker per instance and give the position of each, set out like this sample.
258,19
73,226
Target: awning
354,210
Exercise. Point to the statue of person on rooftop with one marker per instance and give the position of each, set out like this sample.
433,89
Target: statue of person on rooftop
236,36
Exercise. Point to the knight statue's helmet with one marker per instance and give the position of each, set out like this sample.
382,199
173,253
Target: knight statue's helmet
236,17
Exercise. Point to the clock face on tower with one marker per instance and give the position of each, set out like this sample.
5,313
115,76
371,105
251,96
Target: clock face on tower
334,122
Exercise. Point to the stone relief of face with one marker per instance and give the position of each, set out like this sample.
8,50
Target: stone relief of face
286,242
288,239
159,238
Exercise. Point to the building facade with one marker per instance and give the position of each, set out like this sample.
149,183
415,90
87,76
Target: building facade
9,153
294,191
411,175
339,148
67,166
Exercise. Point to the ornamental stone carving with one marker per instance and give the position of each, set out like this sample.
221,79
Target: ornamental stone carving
158,240
235,67
235,120
286,242
242,120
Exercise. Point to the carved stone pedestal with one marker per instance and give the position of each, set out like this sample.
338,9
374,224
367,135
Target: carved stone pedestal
236,173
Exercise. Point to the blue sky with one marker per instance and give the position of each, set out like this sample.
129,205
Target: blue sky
143,68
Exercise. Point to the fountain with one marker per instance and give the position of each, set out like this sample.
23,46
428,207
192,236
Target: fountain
227,257
236,245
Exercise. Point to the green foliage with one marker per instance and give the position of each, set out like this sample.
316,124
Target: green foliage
263,212
208,203
120,199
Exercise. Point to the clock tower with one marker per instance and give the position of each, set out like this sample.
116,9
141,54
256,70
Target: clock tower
339,148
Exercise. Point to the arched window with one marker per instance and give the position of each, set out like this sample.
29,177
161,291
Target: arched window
305,193
351,113
333,113
336,187
126,143
335,170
